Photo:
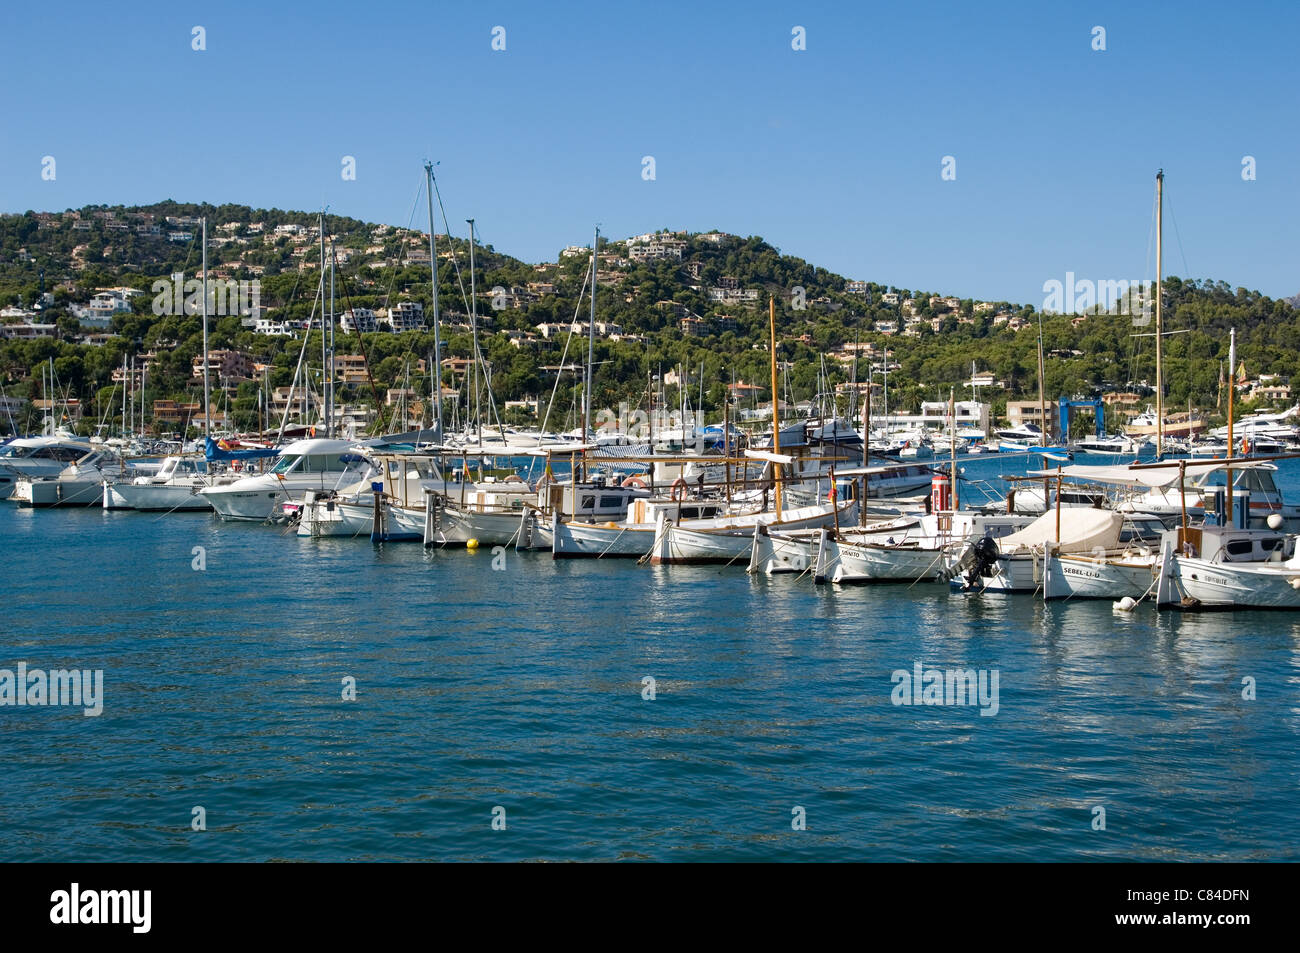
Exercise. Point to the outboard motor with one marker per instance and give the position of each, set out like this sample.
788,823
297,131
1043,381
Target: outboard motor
985,553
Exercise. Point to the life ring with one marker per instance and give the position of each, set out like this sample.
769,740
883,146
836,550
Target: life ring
679,483
637,482
513,478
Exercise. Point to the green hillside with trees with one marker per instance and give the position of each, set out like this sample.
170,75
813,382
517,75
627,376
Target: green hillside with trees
647,300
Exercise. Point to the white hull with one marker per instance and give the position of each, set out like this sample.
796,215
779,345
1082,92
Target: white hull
165,497
535,532
841,562
258,503
1100,577
457,527
1022,572
776,554
59,492
781,554
1222,586
592,540
333,517
730,543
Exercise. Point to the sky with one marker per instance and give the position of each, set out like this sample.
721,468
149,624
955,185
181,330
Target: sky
834,152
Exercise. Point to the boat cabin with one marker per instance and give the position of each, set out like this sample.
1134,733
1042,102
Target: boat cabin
1226,544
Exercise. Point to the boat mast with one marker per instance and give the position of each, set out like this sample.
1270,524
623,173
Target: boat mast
1160,385
437,344
329,370
591,338
1042,403
952,444
473,326
1232,386
866,426
207,392
324,344
776,417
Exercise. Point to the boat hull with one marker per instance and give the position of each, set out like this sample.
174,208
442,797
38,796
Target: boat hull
1100,577
334,517
1212,585
249,503
596,541
840,562
155,497
58,492
729,543
456,527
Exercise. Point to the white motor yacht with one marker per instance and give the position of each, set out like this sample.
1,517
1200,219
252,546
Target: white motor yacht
37,457
317,464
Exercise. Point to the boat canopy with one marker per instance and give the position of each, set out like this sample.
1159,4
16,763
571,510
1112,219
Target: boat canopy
1082,529
213,450
1147,476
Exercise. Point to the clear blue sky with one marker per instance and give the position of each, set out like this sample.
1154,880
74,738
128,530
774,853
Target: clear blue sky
832,153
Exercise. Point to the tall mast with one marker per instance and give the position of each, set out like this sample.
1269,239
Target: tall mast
329,370
952,445
591,339
1232,381
473,326
1042,403
437,344
776,417
885,389
866,426
324,343
1160,380
207,392
1232,386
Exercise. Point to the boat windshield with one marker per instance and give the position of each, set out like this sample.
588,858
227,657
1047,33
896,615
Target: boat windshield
315,463
329,462
1254,479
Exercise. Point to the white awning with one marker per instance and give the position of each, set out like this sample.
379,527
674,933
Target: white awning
1082,530
549,450
1143,476
769,457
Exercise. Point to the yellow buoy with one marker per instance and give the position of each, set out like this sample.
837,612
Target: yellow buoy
471,544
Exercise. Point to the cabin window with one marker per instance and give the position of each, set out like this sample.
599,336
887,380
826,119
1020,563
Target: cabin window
1240,547
1272,544
62,454
286,464
588,503
321,463
611,502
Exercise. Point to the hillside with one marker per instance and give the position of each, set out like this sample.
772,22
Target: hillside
689,299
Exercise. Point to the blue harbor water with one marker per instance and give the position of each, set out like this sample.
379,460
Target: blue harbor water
523,689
